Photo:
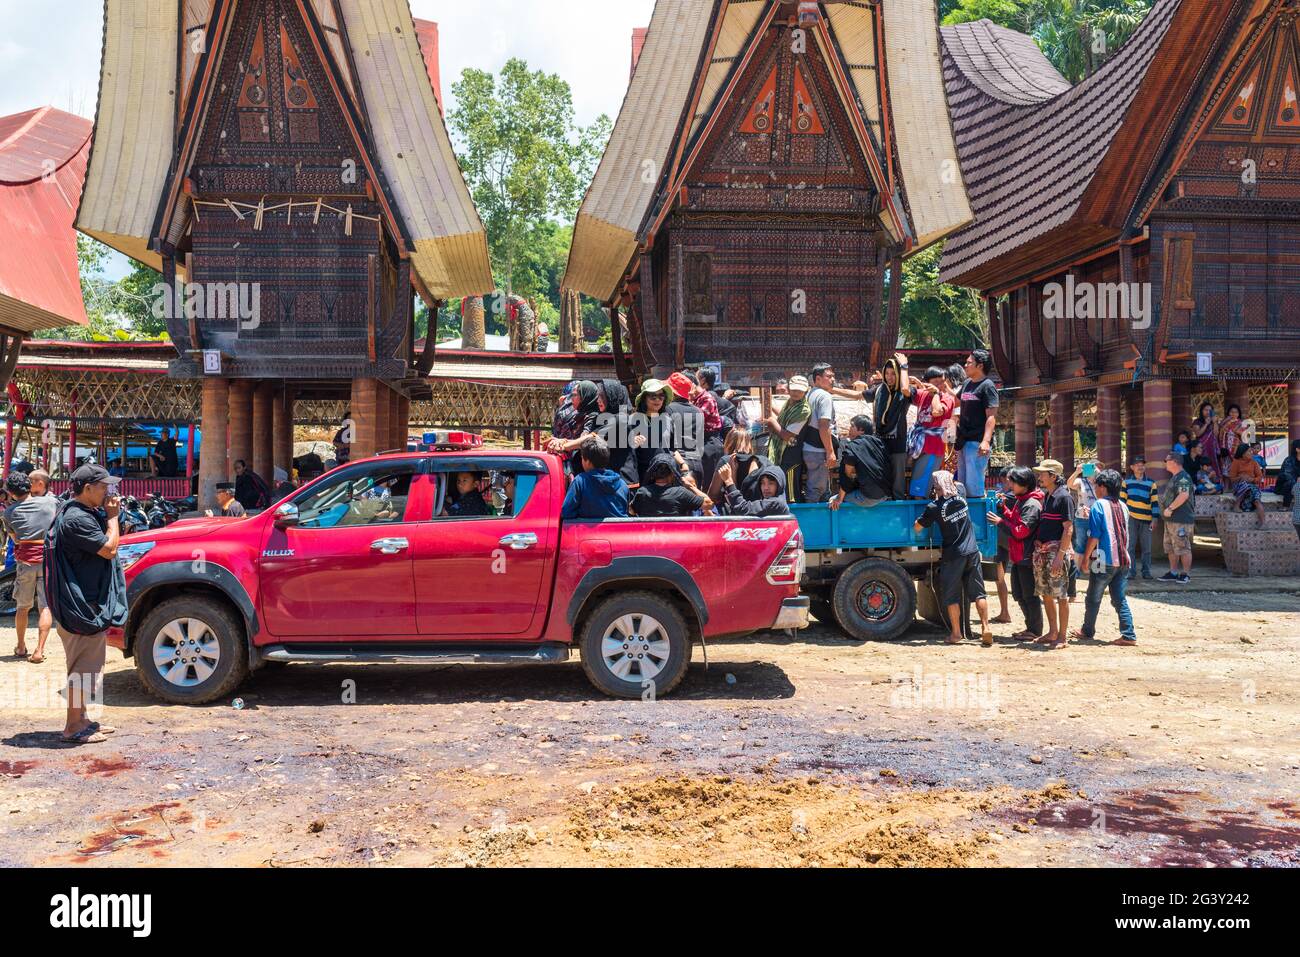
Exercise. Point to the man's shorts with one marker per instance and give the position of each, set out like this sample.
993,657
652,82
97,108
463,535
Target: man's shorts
29,586
1049,584
1178,538
957,573
85,655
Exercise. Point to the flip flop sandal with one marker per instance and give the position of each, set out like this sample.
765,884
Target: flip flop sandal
35,659
20,654
986,640
87,735
103,728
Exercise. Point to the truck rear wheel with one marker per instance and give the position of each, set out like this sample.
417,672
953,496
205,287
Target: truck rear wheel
190,650
635,643
874,600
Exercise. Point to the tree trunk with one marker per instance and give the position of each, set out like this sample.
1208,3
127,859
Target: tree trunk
473,333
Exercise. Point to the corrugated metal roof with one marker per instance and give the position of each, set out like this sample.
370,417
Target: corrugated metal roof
42,166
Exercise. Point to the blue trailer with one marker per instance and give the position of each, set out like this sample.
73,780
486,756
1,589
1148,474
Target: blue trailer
869,571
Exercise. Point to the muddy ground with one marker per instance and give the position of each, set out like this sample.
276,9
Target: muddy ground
817,751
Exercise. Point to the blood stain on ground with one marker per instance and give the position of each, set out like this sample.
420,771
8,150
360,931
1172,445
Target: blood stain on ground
16,769
105,767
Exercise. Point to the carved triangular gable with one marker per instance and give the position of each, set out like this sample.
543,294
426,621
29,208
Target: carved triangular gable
784,126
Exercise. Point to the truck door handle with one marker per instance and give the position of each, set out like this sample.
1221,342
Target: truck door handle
389,546
519,540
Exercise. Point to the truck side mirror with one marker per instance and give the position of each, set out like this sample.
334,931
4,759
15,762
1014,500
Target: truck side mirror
286,515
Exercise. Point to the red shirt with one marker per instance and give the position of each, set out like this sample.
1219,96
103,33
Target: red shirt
934,444
706,403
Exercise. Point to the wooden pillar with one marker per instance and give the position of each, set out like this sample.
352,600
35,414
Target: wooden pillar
1180,396
383,417
403,424
365,394
263,429
1158,424
1061,421
241,424
212,463
282,430
1293,410
1135,436
9,439
72,444
189,450
1238,393
1026,418
1109,427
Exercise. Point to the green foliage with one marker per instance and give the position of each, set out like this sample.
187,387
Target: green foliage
936,315
121,309
526,161
1077,36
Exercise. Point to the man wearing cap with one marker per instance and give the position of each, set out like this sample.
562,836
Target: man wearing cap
785,428
227,504
26,521
1178,515
87,591
1054,552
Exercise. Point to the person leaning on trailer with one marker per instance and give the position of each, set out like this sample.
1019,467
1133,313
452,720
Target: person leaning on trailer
960,567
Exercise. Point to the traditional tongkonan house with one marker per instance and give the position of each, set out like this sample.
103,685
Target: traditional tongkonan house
772,164
1131,222
285,165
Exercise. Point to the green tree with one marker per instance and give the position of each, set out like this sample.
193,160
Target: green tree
525,159
115,309
936,315
1077,36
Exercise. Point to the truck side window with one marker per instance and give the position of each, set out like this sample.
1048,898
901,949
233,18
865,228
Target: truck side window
373,494
487,488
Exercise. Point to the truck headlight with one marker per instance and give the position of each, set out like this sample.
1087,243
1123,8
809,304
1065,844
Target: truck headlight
128,555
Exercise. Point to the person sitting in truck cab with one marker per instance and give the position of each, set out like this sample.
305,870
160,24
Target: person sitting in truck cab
468,501
662,496
597,492
866,472
769,485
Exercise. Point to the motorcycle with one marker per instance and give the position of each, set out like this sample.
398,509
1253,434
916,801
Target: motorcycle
161,512
132,517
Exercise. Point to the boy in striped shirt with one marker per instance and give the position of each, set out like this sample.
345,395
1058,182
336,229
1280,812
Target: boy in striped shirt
1139,496
1106,559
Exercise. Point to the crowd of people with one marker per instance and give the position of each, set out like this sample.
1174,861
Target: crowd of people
687,445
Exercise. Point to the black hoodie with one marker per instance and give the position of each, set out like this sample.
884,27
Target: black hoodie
664,501
869,455
616,429
739,504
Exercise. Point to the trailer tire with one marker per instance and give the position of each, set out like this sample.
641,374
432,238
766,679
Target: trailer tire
662,654
875,600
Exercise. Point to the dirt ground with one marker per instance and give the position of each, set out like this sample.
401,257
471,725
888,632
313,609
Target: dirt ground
816,751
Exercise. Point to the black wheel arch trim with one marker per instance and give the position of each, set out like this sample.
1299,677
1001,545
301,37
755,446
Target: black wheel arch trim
183,573
634,568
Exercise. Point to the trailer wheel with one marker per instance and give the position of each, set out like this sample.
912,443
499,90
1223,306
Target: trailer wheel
875,600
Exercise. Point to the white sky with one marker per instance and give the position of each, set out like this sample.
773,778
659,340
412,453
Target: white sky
50,49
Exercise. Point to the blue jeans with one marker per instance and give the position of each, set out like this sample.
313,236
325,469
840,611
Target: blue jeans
817,485
922,469
1115,579
1139,540
971,468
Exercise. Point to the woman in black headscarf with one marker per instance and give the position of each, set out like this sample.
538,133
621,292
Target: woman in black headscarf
586,404
615,404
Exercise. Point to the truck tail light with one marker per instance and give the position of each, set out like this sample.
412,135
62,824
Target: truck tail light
789,565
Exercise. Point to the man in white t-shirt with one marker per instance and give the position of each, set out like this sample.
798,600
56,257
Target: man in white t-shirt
818,435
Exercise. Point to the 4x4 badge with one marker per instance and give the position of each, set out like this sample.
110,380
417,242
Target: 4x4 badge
278,553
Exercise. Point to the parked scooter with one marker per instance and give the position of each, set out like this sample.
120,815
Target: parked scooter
160,511
132,517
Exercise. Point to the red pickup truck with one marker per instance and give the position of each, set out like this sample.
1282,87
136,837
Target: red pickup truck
370,564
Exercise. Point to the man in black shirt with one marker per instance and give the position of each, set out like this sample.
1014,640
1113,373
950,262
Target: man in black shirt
1054,552
979,409
960,566
165,461
87,591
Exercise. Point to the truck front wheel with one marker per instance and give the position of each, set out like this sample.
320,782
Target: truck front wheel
635,645
875,600
190,650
